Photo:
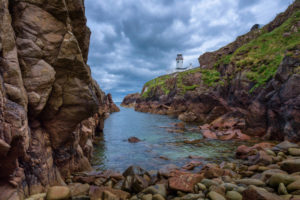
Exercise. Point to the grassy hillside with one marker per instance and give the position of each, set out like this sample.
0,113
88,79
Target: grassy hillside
259,59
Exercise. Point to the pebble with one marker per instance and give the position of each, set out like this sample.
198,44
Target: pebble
294,151
58,192
233,195
282,189
215,196
250,181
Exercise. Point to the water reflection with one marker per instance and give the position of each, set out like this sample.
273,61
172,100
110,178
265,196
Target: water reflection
158,146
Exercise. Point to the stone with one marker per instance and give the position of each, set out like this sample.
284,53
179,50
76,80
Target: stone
282,189
233,195
78,189
230,186
187,117
134,170
209,134
58,192
296,192
286,197
201,187
253,167
191,165
270,152
158,197
249,181
192,196
212,171
240,189
263,168
147,197
261,158
218,188
166,170
294,151
291,166
133,140
253,192
156,189
278,178
97,192
215,196
136,179
183,181
209,182
40,196
109,196
284,146
135,183
294,186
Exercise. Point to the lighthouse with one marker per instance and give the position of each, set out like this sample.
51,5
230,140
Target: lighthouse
179,63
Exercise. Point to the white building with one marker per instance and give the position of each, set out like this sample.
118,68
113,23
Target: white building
179,63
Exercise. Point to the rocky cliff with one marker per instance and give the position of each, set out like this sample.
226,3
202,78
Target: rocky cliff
130,100
50,107
252,84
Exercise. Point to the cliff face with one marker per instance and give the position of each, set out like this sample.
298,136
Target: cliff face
50,107
251,84
130,100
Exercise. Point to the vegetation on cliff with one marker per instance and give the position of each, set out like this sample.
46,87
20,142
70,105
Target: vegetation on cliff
258,59
261,57
179,81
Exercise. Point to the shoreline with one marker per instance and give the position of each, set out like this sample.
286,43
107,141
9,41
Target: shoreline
263,171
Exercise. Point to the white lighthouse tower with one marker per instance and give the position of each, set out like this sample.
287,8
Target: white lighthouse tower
179,63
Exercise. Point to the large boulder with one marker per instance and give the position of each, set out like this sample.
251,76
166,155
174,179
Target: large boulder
136,179
183,181
253,192
58,193
96,193
291,166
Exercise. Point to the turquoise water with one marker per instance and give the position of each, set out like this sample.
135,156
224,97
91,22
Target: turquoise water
116,153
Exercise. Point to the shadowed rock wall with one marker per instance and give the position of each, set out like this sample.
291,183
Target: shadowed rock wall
50,107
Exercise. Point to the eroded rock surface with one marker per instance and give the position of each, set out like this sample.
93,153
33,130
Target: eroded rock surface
50,107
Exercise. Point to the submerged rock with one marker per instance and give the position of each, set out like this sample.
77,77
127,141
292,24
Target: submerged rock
133,140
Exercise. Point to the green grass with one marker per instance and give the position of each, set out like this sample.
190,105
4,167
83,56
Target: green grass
261,57
224,60
265,53
210,77
159,82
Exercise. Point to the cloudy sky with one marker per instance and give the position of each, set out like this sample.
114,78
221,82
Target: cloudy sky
134,41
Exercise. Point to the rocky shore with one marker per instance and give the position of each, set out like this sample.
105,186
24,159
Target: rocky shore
52,112
253,80
262,172
130,100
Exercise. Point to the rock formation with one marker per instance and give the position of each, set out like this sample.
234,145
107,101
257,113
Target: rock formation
254,81
130,100
50,107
